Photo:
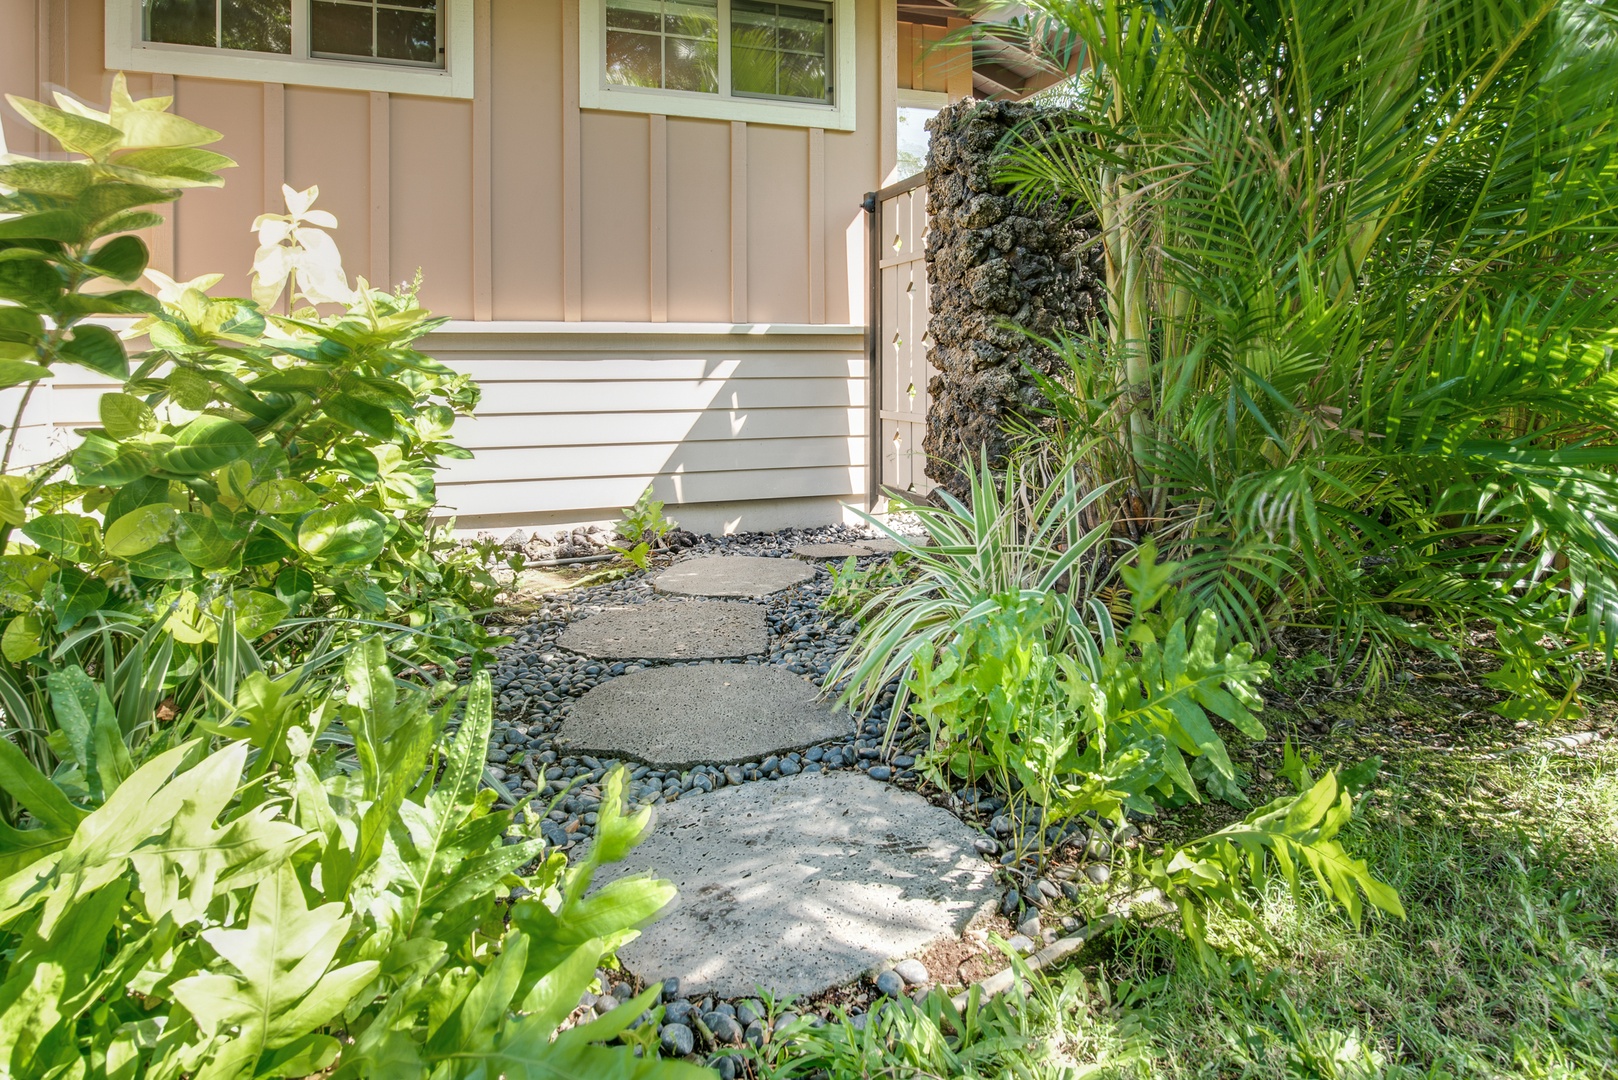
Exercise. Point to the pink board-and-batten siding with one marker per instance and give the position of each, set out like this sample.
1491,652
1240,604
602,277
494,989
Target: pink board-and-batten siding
642,247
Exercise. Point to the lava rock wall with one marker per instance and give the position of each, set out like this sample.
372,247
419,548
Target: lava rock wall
995,262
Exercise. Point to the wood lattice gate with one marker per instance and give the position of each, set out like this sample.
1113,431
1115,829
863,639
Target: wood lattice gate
897,338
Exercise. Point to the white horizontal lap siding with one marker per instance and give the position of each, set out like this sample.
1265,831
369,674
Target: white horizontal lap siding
578,421
574,420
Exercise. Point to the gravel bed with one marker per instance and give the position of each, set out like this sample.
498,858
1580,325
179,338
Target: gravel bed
535,683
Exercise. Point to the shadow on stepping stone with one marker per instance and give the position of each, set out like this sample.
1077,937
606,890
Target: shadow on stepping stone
671,630
744,576
802,884
708,714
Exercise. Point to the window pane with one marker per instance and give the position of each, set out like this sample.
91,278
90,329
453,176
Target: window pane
803,76
634,59
407,35
260,25
778,50
181,22
344,29
634,14
692,18
802,30
752,71
691,64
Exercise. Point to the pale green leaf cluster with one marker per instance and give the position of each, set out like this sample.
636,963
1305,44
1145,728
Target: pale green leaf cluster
256,911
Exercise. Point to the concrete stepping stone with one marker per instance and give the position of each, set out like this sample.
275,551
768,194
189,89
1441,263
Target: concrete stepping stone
744,576
856,549
802,884
671,630
705,714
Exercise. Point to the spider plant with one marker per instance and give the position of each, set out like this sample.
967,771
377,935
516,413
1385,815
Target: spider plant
1027,533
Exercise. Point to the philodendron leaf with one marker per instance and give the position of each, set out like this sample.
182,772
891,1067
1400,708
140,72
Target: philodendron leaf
74,595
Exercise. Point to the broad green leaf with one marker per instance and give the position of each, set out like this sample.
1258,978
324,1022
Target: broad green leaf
343,534
295,587
71,536
257,613
160,564
63,226
22,577
62,178
205,444
282,496
363,416
80,134
125,416
14,372
13,490
74,595
23,638
123,258
277,988
202,544
142,528
148,129
98,349
101,462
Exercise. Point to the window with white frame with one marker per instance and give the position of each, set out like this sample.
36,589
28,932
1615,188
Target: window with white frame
410,46
776,61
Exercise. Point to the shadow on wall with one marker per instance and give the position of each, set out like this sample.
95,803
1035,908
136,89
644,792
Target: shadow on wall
735,432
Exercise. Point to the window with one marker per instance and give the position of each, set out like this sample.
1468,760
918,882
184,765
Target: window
407,46
773,61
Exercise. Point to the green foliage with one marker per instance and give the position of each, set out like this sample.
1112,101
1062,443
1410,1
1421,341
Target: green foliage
1359,364
1108,724
1018,541
853,586
644,522
258,911
1291,834
258,477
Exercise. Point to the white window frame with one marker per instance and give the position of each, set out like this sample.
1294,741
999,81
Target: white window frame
596,93
127,51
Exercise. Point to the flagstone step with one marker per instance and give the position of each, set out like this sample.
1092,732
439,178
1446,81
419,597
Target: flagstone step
857,549
802,884
671,630
740,576
673,717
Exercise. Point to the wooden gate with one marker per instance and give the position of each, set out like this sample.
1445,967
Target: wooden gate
897,338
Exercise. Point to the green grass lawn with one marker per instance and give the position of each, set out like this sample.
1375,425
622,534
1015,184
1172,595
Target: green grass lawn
1507,966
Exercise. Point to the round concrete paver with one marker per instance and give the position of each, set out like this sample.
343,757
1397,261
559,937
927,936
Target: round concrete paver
857,549
802,884
671,630
743,576
705,714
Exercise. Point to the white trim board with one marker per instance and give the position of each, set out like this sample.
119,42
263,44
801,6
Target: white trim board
127,52
595,93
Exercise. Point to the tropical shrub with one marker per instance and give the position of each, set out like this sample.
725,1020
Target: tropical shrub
256,910
1362,281
258,477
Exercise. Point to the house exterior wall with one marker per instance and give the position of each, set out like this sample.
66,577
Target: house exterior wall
536,219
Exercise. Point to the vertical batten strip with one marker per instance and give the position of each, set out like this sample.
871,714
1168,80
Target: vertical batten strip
572,211
482,165
817,225
888,97
44,28
162,237
958,66
381,190
658,194
275,147
738,221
